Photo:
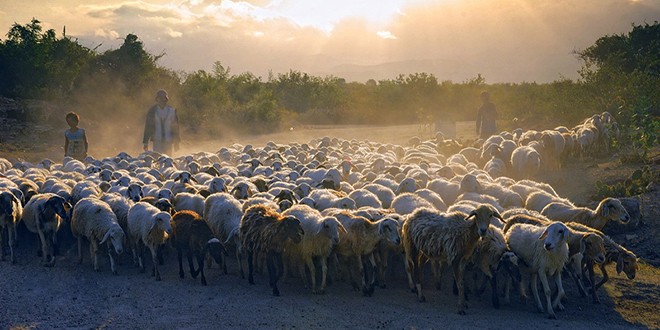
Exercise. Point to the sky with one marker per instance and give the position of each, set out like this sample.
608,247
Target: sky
503,40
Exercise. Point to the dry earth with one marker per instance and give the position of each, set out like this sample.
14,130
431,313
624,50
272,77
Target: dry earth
74,296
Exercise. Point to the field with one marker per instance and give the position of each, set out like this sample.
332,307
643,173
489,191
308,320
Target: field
74,296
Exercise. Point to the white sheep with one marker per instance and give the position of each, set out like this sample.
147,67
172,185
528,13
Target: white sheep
545,251
525,162
188,201
321,236
537,201
407,203
148,226
43,215
446,238
94,220
363,197
609,209
223,212
384,194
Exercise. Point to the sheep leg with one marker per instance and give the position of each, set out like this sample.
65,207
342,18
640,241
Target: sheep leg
419,275
179,258
80,256
44,247
239,258
507,290
576,274
250,262
113,266
93,255
361,274
12,242
560,292
535,292
594,289
272,272
140,252
437,269
309,261
494,296
371,275
200,264
191,266
547,291
409,264
324,274
604,280
459,271
3,234
154,261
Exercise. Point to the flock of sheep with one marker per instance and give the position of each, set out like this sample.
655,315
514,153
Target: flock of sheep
334,209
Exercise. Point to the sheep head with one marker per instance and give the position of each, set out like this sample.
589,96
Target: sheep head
116,236
482,217
612,209
162,222
388,229
511,264
290,228
627,263
592,245
134,192
331,227
215,248
59,206
554,236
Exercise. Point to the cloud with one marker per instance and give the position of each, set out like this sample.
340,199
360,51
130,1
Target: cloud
106,34
386,35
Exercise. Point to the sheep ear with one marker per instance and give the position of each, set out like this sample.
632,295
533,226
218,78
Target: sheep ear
177,178
472,214
341,228
497,215
544,234
193,179
105,237
619,265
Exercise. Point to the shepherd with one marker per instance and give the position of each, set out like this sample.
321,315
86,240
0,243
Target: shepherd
162,126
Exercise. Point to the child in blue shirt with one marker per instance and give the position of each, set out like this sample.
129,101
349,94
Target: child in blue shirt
75,140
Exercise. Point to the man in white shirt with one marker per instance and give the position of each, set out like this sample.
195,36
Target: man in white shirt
162,126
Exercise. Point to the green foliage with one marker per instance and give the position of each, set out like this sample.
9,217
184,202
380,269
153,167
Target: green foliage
634,185
620,75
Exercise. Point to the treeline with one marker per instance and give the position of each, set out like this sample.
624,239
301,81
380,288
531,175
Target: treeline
620,74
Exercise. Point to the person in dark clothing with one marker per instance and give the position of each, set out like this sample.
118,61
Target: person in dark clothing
486,117
162,126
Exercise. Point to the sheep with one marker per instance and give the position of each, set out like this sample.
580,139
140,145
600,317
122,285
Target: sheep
188,201
487,258
384,194
582,243
545,251
450,238
321,236
625,260
43,215
190,233
609,209
407,203
120,206
148,226
537,201
264,230
525,162
11,211
94,220
363,197
361,239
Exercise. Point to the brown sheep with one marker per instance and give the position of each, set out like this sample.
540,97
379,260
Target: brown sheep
193,235
626,261
609,209
264,230
443,237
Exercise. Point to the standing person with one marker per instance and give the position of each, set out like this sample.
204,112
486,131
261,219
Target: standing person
486,117
162,126
75,140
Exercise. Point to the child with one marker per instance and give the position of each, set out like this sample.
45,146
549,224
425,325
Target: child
75,140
